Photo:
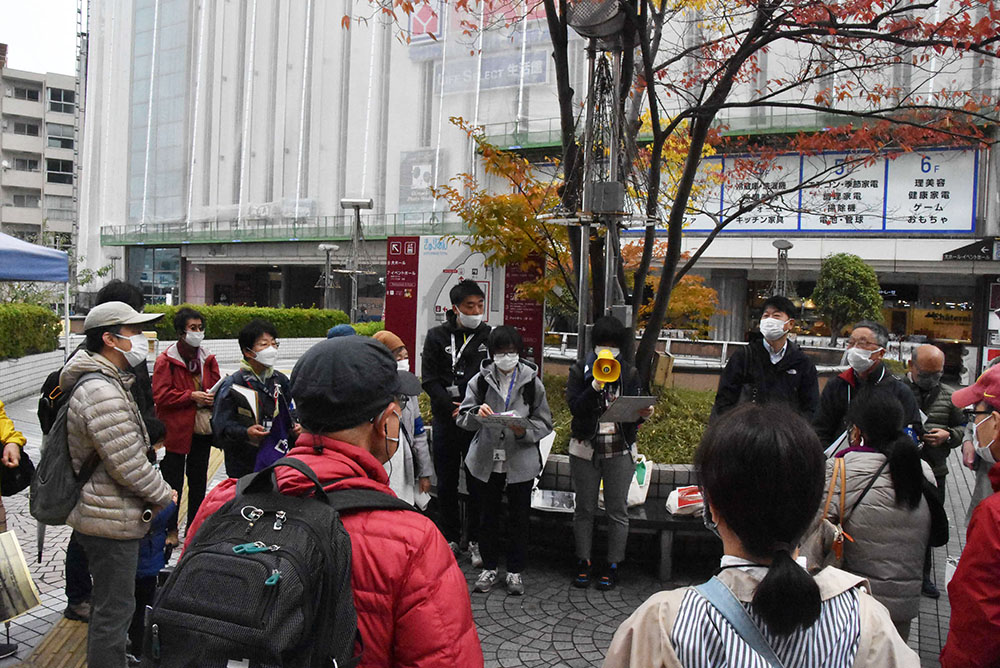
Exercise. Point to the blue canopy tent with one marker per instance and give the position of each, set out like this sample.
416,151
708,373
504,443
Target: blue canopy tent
23,261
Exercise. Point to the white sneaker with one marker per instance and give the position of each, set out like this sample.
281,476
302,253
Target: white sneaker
515,585
486,580
475,555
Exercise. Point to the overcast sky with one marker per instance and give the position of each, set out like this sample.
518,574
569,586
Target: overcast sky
40,35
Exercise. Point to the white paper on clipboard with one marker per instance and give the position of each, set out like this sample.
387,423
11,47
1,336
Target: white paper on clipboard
838,444
505,420
215,388
626,409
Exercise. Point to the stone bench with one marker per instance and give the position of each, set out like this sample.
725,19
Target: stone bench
650,518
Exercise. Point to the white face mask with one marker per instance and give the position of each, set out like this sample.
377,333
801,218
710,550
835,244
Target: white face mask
194,339
772,328
403,365
615,352
140,346
267,357
506,361
860,360
469,321
983,450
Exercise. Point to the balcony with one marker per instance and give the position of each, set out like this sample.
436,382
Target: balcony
20,214
21,143
24,108
321,228
14,178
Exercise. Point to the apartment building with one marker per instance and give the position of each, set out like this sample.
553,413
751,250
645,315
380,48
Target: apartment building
37,155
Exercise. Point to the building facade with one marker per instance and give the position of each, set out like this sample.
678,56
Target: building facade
37,155
221,137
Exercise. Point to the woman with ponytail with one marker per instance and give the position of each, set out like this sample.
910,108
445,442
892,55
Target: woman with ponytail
761,472
884,510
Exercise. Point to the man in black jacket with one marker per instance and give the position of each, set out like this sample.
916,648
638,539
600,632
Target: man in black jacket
770,368
865,349
453,353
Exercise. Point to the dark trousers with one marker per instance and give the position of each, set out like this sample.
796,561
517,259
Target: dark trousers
113,564
240,459
930,550
145,592
451,444
195,463
518,508
78,584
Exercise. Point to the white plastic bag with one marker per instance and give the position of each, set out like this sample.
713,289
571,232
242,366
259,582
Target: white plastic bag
638,488
685,501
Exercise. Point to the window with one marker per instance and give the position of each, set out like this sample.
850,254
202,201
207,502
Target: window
31,201
59,171
62,100
24,93
26,164
25,128
60,136
59,207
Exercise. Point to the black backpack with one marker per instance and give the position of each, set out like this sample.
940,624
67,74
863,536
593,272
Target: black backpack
51,399
267,578
55,486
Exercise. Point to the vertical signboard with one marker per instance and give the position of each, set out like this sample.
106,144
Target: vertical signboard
420,272
525,315
402,263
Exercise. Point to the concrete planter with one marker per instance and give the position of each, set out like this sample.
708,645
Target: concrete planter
24,376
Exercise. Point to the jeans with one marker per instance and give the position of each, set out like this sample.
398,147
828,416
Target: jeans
196,463
113,564
518,509
78,584
451,444
617,473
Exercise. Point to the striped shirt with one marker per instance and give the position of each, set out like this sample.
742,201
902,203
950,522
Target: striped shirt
702,638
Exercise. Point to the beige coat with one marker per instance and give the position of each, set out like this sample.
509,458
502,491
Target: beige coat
104,417
643,640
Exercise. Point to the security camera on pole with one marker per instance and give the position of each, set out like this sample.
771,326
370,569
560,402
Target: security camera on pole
357,204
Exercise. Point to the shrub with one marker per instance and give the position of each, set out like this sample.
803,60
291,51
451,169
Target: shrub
225,322
368,328
27,329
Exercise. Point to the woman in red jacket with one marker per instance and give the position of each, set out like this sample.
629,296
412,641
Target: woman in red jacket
183,376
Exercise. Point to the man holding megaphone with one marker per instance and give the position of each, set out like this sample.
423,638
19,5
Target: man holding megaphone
602,451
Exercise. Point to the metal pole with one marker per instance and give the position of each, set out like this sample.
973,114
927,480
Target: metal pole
610,265
355,237
326,282
583,293
66,323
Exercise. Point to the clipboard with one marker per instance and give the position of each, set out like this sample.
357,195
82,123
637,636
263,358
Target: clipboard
504,420
626,409
838,444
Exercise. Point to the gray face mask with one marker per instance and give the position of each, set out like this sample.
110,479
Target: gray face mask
927,381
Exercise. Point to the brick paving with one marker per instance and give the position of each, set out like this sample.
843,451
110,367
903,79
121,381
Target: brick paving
552,625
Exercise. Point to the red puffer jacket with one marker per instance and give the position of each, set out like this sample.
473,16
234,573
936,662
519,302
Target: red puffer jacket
412,599
974,592
172,388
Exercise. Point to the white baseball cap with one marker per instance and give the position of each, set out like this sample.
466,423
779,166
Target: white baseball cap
116,313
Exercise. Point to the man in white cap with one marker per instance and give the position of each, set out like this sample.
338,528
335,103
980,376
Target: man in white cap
110,448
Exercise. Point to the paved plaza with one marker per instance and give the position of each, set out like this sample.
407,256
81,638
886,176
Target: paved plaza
553,624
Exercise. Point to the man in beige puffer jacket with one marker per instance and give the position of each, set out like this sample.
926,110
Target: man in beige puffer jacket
111,516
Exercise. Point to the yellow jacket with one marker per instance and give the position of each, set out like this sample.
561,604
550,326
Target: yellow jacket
8,434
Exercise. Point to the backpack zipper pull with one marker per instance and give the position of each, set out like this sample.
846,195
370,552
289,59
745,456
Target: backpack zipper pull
156,641
279,520
251,514
273,579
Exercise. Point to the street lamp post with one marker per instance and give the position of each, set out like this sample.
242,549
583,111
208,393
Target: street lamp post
327,248
356,204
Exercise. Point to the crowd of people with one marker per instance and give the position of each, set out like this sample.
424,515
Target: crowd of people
824,501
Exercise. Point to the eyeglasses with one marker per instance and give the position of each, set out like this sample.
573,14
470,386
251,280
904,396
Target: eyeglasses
971,412
268,344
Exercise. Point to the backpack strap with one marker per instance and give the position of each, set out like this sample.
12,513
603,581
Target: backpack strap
723,600
346,500
93,460
265,481
866,489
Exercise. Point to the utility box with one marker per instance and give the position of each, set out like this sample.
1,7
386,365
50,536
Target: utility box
663,373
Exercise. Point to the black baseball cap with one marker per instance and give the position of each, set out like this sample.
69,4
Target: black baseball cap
342,382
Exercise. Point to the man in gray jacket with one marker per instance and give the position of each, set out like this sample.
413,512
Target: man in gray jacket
106,433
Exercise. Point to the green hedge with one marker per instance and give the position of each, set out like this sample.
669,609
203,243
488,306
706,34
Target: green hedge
26,329
670,437
225,322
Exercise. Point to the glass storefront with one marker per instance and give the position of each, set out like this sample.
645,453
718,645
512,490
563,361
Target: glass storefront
158,272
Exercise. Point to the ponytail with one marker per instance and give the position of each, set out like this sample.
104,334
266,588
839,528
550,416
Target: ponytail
906,471
787,599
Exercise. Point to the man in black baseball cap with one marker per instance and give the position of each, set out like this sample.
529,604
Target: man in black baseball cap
411,598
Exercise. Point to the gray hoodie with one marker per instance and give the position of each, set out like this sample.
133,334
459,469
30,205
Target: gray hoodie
523,459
